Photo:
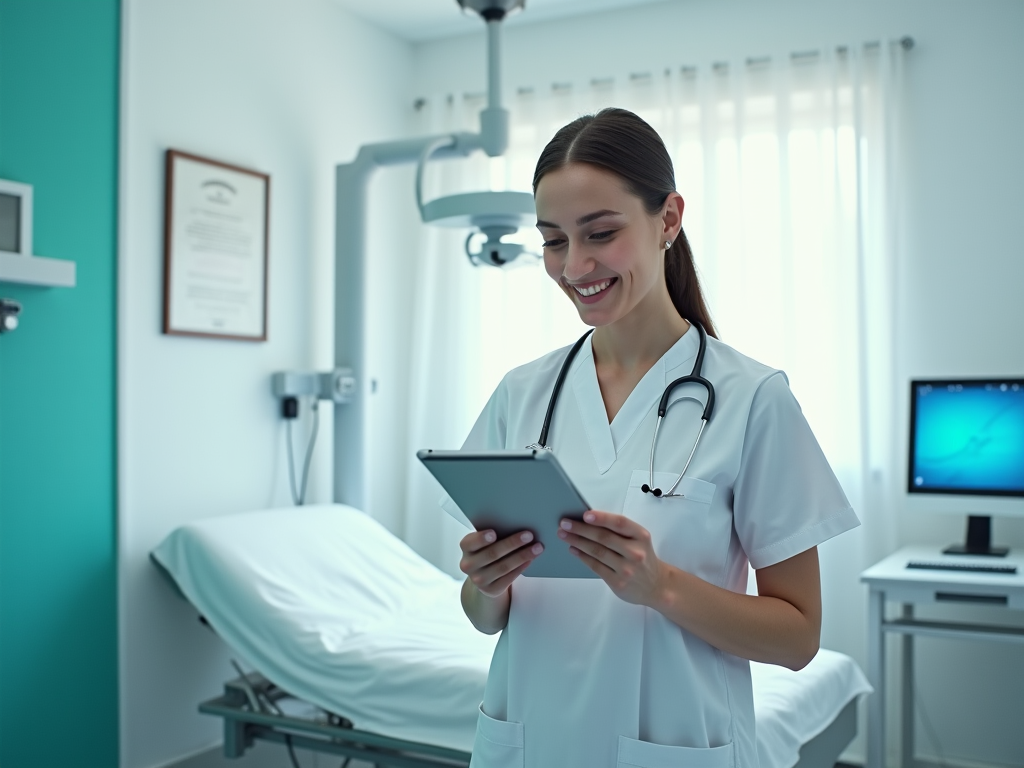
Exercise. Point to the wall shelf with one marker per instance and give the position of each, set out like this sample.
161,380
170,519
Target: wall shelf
17,264
36,270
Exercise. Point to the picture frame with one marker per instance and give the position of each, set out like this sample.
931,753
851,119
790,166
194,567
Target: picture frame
216,249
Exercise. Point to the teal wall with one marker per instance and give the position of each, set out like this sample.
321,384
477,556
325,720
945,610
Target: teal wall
58,591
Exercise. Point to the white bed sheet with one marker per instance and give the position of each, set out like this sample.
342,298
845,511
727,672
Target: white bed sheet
334,609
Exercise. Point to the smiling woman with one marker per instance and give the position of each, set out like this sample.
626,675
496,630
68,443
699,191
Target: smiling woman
649,663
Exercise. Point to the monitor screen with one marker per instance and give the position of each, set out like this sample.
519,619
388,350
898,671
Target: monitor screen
967,437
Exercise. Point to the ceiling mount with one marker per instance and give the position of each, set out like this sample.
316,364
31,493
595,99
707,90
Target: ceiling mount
492,10
493,214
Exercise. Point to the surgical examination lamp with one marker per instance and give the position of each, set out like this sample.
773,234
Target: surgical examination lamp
494,215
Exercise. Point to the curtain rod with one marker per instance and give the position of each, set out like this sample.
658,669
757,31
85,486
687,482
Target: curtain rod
906,42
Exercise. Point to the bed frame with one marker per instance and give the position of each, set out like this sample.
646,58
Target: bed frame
249,708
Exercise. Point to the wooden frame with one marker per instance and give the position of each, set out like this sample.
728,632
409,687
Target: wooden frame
216,249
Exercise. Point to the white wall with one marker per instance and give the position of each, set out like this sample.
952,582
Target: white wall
291,89
961,275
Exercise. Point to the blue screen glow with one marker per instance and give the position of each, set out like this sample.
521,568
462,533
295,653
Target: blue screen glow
969,437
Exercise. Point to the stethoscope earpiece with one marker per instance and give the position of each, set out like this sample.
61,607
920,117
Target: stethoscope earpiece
647,489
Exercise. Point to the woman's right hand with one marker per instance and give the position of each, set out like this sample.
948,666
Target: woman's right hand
493,565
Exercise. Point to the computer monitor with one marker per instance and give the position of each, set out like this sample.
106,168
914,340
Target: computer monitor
967,453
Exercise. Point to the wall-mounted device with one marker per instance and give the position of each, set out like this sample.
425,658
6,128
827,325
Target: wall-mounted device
9,311
17,263
338,385
967,453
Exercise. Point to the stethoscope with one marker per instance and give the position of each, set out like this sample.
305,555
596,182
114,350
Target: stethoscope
694,378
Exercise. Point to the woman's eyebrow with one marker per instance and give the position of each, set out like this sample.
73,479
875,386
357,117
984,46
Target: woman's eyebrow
582,219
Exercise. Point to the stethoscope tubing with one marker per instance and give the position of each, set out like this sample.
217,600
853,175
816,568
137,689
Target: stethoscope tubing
694,377
543,439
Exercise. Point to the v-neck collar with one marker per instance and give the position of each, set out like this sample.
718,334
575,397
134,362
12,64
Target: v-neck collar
606,439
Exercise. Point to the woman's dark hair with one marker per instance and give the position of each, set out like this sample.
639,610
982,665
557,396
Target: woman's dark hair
620,142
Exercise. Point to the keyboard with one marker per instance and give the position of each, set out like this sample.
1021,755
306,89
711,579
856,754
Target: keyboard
961,567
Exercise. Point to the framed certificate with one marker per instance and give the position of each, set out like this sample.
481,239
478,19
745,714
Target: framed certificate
216,225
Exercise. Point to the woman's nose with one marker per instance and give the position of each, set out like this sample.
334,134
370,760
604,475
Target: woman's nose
577,263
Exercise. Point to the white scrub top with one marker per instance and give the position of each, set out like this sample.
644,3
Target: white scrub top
582,679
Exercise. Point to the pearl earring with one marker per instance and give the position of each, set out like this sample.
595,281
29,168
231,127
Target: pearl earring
668,244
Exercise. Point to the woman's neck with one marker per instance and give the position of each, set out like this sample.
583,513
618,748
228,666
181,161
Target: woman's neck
637,341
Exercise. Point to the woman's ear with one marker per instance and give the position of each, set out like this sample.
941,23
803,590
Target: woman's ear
672,215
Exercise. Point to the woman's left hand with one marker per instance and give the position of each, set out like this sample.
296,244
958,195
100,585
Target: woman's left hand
619,551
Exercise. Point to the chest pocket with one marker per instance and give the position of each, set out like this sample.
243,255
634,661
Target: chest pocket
682,528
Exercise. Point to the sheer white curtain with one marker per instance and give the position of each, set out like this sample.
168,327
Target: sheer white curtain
786,168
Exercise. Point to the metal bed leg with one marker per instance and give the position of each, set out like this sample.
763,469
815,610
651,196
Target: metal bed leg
236,740
876,676
907,695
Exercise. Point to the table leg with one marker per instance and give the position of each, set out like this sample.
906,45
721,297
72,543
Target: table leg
876,676
907,694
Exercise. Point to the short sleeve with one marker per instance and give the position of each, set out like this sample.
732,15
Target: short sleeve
487,434
786,499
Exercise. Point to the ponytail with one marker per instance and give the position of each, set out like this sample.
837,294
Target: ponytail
684,285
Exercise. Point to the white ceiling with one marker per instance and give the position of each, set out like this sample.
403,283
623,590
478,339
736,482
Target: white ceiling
418,20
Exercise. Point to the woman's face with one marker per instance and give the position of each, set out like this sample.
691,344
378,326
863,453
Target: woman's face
600,245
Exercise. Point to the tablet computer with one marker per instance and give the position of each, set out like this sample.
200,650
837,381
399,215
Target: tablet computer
512,491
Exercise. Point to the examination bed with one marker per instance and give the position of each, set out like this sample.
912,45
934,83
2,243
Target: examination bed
361,648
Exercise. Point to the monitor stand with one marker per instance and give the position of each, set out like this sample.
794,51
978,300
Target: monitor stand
979,539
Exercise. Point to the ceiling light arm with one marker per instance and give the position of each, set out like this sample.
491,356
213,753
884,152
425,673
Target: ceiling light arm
494,119
442,142
351,184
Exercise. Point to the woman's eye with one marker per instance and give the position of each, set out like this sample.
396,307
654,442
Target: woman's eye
552,243
602,235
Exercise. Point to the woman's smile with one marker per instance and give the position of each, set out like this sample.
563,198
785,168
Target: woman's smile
594,291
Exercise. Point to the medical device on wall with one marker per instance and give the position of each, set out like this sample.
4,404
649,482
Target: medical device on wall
489,215
9,311
17,262
337,386
966,453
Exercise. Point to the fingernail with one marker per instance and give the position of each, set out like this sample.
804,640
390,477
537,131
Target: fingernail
589,517
567,525
537,548
563,535
489,536
527,537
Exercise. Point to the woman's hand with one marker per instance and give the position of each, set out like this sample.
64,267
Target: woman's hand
619,551
493,565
